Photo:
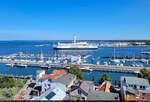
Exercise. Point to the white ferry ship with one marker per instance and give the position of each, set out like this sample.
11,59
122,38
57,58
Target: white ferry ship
76,46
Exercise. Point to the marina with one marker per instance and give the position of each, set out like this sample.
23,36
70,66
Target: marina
75,50
71,60
30,58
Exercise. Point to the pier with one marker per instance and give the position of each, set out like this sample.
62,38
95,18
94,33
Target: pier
65,61
119,69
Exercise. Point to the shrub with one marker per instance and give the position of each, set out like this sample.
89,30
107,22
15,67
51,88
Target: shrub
105,77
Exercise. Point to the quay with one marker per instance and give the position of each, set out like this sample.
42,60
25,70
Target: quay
129,59
120,69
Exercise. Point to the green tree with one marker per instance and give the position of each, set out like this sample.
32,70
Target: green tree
105,77
144,73
24,81
76,71
119,83
11,83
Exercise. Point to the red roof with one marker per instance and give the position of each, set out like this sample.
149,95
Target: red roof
56,73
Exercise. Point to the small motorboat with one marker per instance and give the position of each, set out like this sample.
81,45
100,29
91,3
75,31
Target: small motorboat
9,64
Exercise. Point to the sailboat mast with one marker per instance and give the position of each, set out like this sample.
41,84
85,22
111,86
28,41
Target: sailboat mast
75,38
114,52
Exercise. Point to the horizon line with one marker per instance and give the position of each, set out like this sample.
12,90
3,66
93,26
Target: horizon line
81,40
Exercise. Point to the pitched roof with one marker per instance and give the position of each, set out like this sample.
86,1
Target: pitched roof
56,73
49,76
60,72
66,79
85,86
136,81
134,91
105,86
100,95
58,85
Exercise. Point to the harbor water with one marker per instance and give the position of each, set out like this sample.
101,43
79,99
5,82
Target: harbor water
28,47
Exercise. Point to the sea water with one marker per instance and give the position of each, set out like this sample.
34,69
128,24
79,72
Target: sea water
10,47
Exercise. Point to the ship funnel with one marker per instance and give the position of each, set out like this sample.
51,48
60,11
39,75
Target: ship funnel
75,38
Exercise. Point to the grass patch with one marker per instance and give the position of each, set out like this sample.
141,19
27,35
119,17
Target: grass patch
9,87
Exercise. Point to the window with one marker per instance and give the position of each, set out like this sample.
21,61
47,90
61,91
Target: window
50,95
79,91
124,80
141,87
83,98
134,86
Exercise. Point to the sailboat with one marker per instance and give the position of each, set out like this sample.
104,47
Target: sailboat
115,60
41,58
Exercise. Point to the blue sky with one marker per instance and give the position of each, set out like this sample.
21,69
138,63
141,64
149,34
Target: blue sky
60,19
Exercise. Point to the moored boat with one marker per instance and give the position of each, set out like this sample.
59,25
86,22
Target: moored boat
9,64
21,65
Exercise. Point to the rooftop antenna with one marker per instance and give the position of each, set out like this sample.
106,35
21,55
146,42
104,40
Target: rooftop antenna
75,38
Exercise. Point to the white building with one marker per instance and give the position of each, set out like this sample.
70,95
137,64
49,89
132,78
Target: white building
39,74
54,93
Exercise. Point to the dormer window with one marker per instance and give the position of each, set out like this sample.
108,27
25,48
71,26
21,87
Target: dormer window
141,87
124,80
134,86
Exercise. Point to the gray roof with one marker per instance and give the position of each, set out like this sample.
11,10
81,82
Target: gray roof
136,81
58,85
73,98
145,91
99,95
86,85
66,79
134,91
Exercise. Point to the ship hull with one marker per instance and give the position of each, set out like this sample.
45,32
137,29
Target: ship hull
75,48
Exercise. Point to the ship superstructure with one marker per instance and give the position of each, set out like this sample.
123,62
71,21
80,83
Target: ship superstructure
76,46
